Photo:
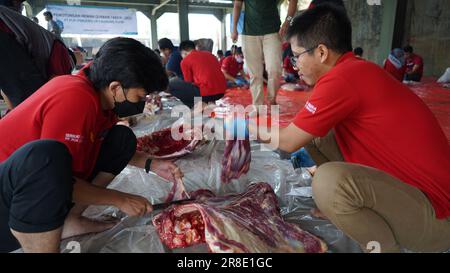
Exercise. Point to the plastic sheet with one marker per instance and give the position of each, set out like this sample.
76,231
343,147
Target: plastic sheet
437,98
202,170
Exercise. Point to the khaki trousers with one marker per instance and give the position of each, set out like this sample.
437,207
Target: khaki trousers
370,205
257,51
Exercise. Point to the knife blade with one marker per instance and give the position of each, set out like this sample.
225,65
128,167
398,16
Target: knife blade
168,204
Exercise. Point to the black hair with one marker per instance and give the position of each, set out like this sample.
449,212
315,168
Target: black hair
358,51
48,14
325,24
220,52
187,45
227,53
316,3
165,43
238,51
408,49
129,62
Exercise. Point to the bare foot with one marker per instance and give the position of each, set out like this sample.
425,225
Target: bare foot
80,225
318,214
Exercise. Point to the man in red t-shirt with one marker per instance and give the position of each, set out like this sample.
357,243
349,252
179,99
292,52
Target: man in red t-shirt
31,55
61,146
202,77
384,161
414,65
233,69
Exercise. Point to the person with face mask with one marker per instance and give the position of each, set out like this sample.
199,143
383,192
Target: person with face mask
61,148
233,69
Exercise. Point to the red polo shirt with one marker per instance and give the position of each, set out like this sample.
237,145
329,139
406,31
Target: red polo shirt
66,109
202,68
412,61
381,123
231,66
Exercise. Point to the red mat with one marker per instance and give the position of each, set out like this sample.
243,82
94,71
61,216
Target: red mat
433,94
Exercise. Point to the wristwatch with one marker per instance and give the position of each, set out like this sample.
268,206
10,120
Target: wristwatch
289,19
148,162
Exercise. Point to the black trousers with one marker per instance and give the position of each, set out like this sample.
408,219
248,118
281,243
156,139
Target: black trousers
413,77
36,183
186,92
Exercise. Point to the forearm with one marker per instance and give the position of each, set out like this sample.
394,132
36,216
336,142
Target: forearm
85,193
292,9
228,76
236,13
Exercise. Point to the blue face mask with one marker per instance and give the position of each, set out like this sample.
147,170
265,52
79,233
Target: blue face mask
128,108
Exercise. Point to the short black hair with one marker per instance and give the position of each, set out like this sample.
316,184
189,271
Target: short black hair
48,14
325,24
358,51
238,51
316,3
219,52
408,49
165,43
227,53
187,45
129,62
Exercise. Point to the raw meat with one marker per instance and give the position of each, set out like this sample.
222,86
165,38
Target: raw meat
161,144
178,192
236,159
249,222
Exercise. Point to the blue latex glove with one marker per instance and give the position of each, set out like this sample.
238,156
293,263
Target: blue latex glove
237,127
241,81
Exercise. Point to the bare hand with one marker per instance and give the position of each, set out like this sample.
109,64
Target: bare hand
234,36
166,169
134,205
283,30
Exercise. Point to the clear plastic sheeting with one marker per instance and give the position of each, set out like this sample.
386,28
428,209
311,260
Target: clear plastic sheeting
202,170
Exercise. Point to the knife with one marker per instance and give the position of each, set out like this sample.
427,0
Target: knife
168,204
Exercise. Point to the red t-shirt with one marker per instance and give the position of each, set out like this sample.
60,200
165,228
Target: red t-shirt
398,73
412,61
379,122
202,68
59,62
66,109
287,65
231,66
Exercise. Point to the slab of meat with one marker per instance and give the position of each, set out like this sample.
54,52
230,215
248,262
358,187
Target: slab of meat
161,144
236,159
249,222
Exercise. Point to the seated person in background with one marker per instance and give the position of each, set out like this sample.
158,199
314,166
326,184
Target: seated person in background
202,76
414,65
290,75
395,64
233,69
358,52
172,57
220,56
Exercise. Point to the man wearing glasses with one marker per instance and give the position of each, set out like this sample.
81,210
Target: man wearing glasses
384,161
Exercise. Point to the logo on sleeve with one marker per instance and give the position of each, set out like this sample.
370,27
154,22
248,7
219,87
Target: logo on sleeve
73,138
310,107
